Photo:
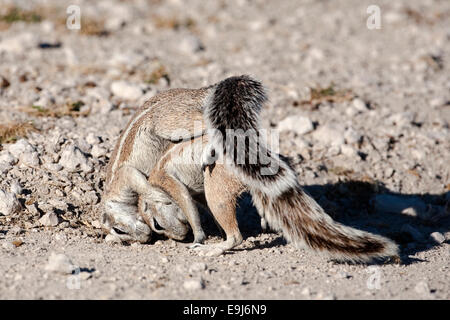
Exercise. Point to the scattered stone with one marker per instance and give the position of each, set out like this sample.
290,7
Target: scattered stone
298,124
30,159
73,159
92,139
96,224
306,292
437,102
15,231
112,239
85,275
60,263
351,136
8,246
9,203
198,267
55,167
21,147
359,105
343,275
164,260
330,135
126,90
194,284
348,151
191,44
49,220
98,151
388,203
17,243
437,237
422,288
16,188
402,119
7,158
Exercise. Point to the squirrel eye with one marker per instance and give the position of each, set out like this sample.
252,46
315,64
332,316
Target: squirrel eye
118,231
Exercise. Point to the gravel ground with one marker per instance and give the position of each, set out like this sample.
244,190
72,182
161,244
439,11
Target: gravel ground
363,113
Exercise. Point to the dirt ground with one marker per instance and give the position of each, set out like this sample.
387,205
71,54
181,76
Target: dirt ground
363,112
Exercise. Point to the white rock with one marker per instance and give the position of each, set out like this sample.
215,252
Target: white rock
30,158
18,43
351,136
437,102
112,239
126,90
73,159
92,138
348,151
306,292
437,237
102,106
55,167
351,111
399,204
60,263
20,147
98,151
402,119
4,167
197,267
15,187
8,245
329,134
194,284
7,158
96,224
422,288
190,44
49,220
300,125
9,203
359,105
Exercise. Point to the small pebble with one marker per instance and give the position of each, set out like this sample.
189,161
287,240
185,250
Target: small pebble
437,237
194,284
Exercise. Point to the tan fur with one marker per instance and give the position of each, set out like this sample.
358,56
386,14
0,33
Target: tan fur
144,140
178,174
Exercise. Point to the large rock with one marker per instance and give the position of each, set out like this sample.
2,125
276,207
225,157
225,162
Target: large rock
126,90
60,263
49,220
298,124
330,135
9,203
73,159
21,147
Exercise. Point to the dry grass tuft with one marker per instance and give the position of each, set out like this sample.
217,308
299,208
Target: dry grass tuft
12,14
11,132
328,94
15,14
70,109
174,23
157,74
92,27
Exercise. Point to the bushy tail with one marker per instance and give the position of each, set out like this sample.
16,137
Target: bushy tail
305,224
235,104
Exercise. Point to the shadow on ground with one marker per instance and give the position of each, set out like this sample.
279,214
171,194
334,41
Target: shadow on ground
353,203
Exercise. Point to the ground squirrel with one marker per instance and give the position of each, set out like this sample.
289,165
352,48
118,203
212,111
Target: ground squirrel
233,106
